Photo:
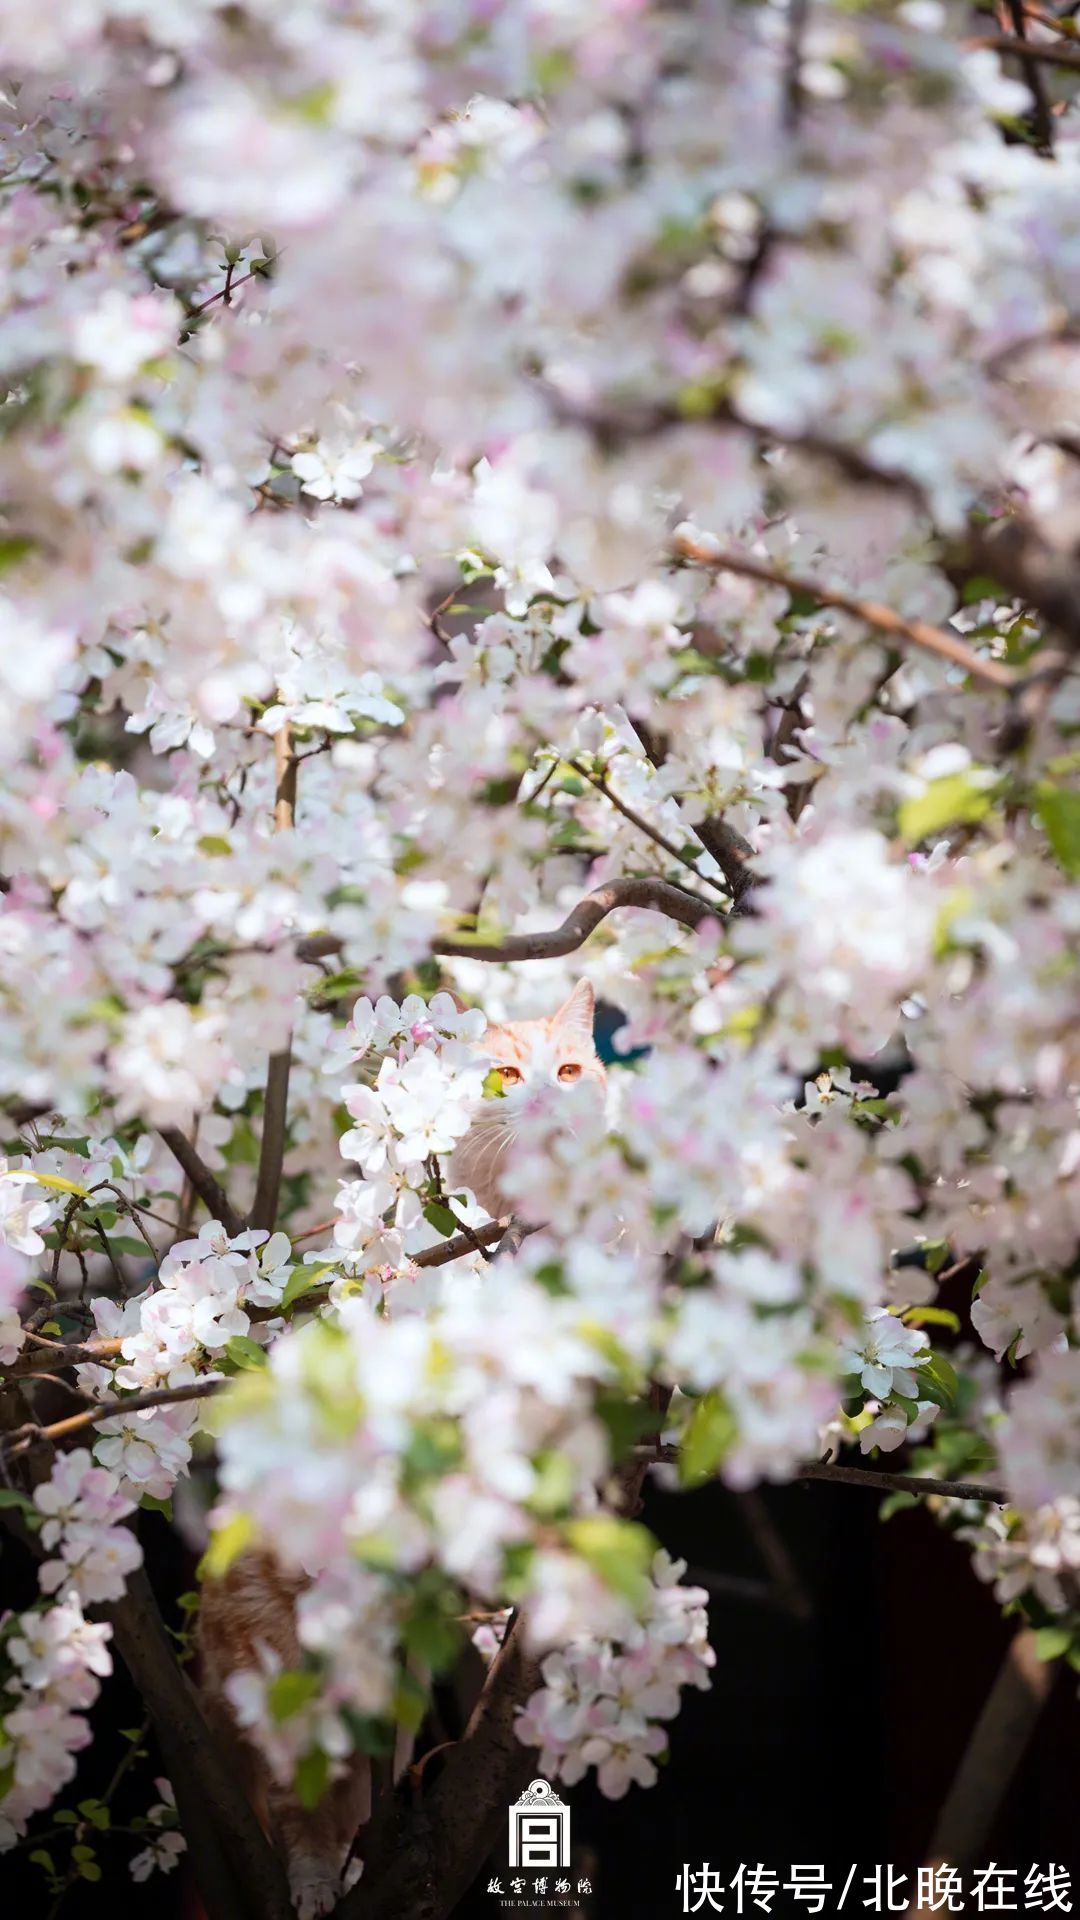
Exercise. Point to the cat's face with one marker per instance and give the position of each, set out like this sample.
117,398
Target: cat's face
555,1052
549,1057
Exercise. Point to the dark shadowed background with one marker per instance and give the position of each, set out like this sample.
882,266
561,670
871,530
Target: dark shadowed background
829,1739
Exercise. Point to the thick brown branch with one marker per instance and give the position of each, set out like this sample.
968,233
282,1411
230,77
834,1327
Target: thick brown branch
210,1192
272,1149
54,1356
237,1872
658,896
908,632
1042,119
423,1858
1052,53
276,1104
989,1762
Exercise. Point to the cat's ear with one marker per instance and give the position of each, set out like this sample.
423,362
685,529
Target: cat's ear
575,1017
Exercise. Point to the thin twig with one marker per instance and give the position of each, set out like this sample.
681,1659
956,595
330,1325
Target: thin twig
31,1435
226,292
602,785
913,632
867,1477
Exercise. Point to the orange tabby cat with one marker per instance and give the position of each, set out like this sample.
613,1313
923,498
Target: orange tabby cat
252,1604
530,1054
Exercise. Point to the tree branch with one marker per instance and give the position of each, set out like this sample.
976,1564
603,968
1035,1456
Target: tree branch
236,1869
272,1147
210,1192
729,849
602,784
423,1858
864,1477
918,633
905,1483
990,1759
658,896
1042,120
264,1210
53,1357
1052,53
32,1435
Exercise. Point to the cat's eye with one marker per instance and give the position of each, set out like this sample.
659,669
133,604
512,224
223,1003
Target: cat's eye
512,1076
571,1071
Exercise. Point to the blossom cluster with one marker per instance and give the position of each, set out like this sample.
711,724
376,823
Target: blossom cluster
603,1706
467,471
56,1658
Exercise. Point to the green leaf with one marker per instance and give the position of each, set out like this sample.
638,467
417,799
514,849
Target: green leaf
410,1702
150,1503
89,1870
1052,1642
441,1219
433,1637
288,1692
982,587
11,1497
244,1352
554,1487
214,845
619,1551
493,1085
938,1382
226,1545
369,1735
126,1243
311,1777
41,1857
626,1420
104,1217
301,1281
1059,811
930,1317
13,548
709,1435
83,1853
895,1503
966,796
338,986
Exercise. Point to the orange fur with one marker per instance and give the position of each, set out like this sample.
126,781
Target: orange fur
252,1604
554,1051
